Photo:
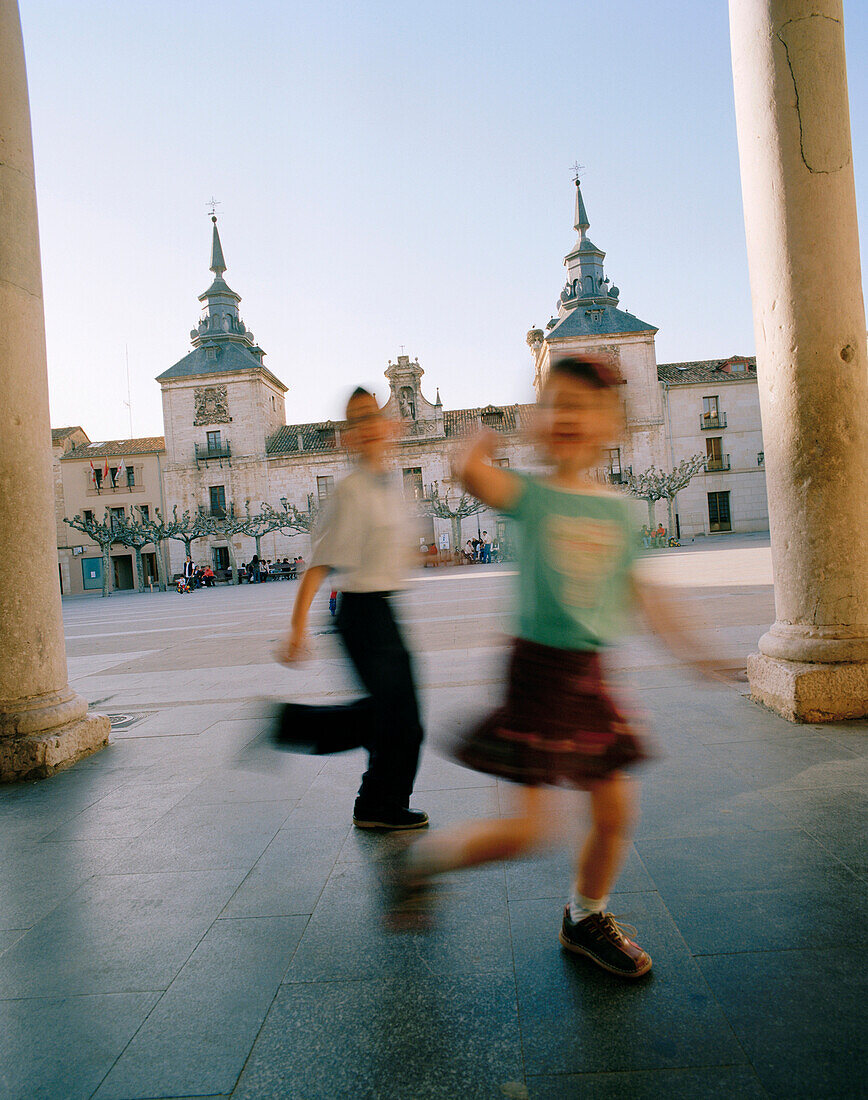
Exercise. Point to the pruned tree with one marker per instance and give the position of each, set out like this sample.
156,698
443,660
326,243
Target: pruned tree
188,527
104,533
652,484
448,504
259,524
157,530
135,535
292,518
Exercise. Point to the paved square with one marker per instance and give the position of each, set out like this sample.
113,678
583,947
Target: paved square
172,925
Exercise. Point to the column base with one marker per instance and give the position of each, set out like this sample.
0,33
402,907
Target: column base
39,755
804,692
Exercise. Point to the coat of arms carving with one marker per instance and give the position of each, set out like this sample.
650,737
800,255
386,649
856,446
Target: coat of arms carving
212,406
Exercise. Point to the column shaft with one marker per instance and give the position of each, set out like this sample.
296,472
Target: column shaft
793,125
43,723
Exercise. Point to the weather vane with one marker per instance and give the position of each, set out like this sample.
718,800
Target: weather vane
213,203
577,170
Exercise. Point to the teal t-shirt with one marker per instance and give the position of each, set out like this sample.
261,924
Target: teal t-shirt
575,554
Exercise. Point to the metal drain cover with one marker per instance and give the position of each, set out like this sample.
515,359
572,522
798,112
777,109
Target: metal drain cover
124,721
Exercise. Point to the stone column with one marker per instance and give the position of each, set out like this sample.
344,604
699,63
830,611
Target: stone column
793,124
44,724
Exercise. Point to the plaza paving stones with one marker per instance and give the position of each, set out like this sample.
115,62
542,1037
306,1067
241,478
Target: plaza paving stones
189,914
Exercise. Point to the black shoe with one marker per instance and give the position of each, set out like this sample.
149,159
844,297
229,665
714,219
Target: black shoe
599,937
399,818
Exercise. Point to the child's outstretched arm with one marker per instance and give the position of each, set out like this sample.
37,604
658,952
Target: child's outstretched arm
293,646
661,613
493,486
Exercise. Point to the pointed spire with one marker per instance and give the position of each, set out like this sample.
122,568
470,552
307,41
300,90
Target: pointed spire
218,264
581,223
438,401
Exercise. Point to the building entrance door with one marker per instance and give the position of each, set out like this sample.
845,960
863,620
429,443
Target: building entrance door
123,568
149,568
718,512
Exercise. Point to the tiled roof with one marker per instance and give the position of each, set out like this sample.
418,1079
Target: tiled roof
467,421
228,357
603,321
317,438
59,434
457,422
707,370
149,444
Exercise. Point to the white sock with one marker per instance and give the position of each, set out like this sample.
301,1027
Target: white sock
581,907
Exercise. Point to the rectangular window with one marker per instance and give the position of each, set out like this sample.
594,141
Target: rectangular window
218,501
501,463
88,515
213,442
711,413
146,513
324,487
97,477
413,488
131,477
714,449
221,557
113,476
761,458
718,512
615,473
118,515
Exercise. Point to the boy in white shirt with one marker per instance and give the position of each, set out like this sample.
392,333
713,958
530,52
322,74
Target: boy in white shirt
361,537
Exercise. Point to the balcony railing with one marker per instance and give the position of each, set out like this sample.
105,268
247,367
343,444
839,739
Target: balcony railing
717,421
219,453
717,465
619,477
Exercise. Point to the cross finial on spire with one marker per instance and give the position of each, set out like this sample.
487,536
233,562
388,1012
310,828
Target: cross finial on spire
213,203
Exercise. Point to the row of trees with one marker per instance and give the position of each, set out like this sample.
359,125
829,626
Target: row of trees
137,532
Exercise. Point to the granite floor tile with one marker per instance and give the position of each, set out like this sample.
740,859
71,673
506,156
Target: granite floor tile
126,812
740,861
799,1015
289,876
470,933
37,877
194,837
714,1083
117,934
723,922
780,761
682,809
577,1018
437,1037
9,936
837,819
62,1047
198,1036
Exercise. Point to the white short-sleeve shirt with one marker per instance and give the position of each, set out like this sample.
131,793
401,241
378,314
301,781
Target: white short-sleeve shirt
363,533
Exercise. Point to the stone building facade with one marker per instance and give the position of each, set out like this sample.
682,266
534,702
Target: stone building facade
114,477
227,446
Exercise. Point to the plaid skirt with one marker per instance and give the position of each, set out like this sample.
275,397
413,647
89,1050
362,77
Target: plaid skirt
560,726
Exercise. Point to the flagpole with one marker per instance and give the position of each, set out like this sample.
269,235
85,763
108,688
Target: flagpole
129,401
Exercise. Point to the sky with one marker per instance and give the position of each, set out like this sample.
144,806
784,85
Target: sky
389,175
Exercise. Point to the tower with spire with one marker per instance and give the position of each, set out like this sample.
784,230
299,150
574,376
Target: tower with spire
588,319
220,402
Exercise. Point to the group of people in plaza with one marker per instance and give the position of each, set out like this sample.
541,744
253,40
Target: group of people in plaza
195,576
559,724
259,570
481,550
653,536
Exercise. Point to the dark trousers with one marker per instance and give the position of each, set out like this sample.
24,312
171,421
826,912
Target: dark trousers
385,722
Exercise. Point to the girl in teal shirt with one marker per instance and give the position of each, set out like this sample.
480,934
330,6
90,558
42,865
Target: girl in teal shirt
559,725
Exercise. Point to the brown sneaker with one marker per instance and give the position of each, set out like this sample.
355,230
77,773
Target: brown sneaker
602,939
